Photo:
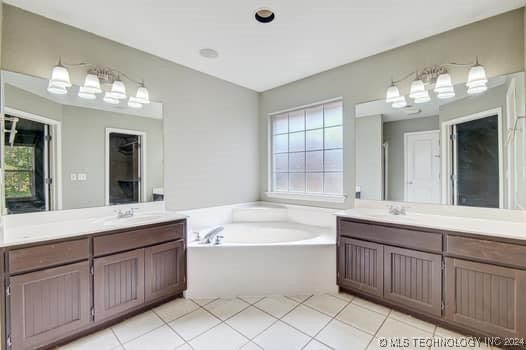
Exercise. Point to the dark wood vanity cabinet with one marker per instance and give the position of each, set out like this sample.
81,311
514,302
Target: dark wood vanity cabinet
59,290
48,304
469,283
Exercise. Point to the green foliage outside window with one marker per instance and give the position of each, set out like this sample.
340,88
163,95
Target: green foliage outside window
19,171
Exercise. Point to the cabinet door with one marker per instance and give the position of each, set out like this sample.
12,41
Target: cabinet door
360,266
49,304
489,298
164,270
413,279
118,283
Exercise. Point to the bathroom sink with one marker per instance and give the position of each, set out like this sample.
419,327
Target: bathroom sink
136,219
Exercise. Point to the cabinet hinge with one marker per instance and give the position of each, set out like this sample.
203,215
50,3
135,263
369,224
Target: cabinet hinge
443,265
8,291
442,305
92,313
9,342
91,270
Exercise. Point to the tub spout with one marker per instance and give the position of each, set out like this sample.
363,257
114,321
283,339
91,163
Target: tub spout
209,237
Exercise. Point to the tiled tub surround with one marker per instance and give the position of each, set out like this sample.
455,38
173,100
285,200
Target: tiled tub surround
312,322
267,249
467,274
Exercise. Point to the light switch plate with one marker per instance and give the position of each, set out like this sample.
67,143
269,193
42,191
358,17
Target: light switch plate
82,176
73,177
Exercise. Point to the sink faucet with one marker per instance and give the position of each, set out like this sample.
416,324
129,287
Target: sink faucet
121,214
209,237
397,210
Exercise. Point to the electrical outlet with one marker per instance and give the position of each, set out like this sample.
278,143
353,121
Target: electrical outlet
82,176
73,177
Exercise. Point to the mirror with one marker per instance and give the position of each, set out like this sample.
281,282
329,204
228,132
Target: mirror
66,152
469,150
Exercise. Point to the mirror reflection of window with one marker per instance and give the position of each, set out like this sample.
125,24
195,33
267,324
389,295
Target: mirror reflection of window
124,168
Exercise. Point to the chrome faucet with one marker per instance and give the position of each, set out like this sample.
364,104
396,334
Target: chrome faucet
397,210
122,214
209,237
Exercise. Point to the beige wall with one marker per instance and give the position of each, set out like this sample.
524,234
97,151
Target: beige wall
498,41
210,126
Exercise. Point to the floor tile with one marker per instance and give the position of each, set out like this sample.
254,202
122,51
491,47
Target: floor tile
251,300
163,338
203,301
221,337
299,298
415,322
250,346
280,337
137,326
316,345
175,309
103,340
306,320
396,329
343,296
361,318
250,322
326,303
226,308
277,306
340,336
185,347
194,324
372,306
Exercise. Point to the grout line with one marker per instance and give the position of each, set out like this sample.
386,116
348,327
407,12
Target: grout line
115,335
381,325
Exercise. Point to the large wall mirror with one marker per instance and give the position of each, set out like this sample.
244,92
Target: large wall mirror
66,152
469,150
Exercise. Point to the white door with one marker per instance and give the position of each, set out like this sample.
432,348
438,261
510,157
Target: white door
422,167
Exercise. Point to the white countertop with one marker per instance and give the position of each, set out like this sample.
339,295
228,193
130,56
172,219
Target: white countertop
42,230
483,227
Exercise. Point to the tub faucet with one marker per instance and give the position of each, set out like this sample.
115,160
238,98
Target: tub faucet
126,213
209,237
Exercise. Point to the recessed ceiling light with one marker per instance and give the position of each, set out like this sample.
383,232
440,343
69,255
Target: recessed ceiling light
208,53
264,15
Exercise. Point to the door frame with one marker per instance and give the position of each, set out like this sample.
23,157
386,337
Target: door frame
142,134
55,153
406,135
511,151
446,151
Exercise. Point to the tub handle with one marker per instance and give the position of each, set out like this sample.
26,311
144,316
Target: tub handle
218,239
197,237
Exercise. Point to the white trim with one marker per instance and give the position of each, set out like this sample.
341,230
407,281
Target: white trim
56,151
406,134
446,152
335,99
142,134
308,197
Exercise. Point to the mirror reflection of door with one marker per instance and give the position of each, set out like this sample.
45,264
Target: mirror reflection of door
27,181
422,166
125,167
476,163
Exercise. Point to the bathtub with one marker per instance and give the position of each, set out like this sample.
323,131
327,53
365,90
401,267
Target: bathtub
266,250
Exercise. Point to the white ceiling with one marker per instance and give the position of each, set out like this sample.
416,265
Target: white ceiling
307,37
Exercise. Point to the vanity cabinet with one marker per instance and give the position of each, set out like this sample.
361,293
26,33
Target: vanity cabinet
48,304
413,279
64,289
360,265
488,297
118,283
471,283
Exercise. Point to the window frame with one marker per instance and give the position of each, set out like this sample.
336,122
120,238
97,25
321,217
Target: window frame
306,196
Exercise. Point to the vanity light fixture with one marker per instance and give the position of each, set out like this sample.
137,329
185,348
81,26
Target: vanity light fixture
98,80
264,15
439,76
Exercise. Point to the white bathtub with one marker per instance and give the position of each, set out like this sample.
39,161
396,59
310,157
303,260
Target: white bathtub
272,256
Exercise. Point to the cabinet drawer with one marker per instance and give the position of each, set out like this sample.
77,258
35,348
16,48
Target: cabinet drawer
392,235
498,252
41,256
136,238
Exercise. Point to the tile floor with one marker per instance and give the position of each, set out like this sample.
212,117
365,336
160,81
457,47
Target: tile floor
310,322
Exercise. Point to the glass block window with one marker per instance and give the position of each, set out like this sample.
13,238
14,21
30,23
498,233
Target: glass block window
307,150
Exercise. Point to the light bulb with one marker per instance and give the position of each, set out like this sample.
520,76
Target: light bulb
392,94
118,90
92,84
142,95
418,89
60,76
